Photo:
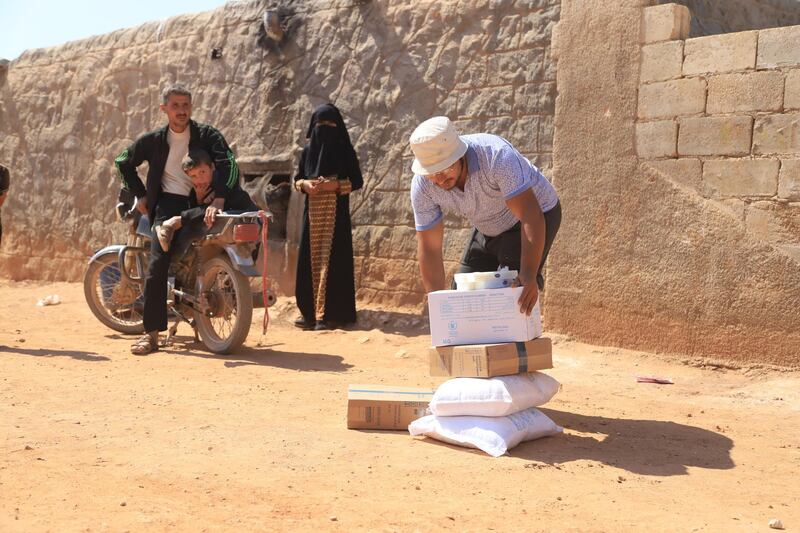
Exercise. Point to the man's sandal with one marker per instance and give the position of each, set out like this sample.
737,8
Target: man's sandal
144,346
164,232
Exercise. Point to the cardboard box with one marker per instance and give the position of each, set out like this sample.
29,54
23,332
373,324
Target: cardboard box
382,407
485,316
488,360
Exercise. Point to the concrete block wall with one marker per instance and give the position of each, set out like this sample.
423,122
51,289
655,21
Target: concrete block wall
678,218
721,114
712,17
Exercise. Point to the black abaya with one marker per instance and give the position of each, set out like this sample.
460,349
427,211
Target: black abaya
329,154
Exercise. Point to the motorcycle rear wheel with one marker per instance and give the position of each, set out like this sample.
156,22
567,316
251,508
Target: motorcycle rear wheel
225,325
114,301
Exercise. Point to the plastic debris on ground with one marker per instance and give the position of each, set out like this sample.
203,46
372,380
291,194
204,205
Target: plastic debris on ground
653,379
50,299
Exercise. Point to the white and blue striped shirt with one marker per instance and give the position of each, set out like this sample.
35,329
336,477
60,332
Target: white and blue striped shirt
496,172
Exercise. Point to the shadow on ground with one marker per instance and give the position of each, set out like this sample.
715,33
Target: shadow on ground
648,447
394,322
81,356
410,324
262,356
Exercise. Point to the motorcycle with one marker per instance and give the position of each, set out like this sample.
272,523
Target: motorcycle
208,287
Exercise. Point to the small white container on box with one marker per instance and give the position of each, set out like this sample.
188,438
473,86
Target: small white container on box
471,281
482,316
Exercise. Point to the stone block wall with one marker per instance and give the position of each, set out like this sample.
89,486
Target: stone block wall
66,112
722,114
675,164
712,17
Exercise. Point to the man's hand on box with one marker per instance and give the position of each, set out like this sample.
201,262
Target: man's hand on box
530,293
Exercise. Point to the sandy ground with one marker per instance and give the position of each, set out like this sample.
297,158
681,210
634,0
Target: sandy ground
93,438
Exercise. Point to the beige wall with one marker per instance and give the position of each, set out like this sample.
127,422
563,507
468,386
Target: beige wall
67,111
650,255
721,115
712,17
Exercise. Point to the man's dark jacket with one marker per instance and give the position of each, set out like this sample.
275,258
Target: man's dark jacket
153,148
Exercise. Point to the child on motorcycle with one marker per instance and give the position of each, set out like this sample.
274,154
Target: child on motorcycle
199,166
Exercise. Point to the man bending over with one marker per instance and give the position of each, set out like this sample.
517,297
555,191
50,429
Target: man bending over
514,209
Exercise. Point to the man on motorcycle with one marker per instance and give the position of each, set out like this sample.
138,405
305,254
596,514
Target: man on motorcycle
167,191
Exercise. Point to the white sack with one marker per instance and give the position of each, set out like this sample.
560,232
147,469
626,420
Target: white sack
498,396
494,435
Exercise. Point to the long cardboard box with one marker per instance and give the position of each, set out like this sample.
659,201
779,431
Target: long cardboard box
488,360
383,407
484,316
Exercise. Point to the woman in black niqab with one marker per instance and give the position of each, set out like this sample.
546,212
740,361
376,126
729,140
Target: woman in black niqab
328,172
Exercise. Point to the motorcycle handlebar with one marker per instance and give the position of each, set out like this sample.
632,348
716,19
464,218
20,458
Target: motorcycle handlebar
248,214
131,213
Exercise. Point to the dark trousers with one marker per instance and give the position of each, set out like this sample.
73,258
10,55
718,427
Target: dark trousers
155,284
193,225
487,254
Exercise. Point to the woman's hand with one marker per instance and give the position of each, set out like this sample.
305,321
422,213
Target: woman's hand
316,186
310,187
328,184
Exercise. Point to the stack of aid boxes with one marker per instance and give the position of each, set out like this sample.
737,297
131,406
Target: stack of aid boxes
479,331
476,331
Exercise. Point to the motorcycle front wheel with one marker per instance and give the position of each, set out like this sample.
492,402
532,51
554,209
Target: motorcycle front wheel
225,323
115,301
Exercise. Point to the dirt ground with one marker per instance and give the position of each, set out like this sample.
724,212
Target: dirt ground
93,438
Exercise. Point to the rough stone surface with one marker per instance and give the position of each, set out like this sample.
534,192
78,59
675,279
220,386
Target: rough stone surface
791,95
779,47
777,134
662,61
66,112
657,139
672,98
665,23
726,136
754,91
741,177
777,222
735,208
789,181
687,172
712,17
720,53
612,274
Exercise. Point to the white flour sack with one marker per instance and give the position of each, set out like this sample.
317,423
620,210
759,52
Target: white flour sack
494,435
499,396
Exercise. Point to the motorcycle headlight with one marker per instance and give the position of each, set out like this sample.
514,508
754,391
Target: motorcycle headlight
245,232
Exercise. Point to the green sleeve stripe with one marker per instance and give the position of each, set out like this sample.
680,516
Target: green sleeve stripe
233,174
121,158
